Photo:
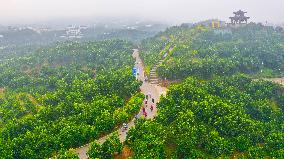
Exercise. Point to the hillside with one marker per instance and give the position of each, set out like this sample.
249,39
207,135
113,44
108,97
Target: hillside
204,52
232,117
76,93
65,96
218,109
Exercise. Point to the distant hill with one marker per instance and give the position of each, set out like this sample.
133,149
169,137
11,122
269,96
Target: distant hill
205,52
16,40
35,34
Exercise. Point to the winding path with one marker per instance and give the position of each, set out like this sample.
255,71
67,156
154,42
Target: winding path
147,88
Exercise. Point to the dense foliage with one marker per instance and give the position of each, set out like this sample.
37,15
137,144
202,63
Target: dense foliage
111,146
70,154
204,52
69,94
65,96
224,117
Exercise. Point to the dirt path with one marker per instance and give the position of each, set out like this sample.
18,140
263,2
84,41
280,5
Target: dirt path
146,88
276,80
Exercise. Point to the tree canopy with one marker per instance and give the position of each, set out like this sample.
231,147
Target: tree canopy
223,117
65,96
203,52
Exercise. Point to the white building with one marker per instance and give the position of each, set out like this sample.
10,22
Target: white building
73,32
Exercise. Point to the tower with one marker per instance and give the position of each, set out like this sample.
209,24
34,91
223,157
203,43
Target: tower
239,17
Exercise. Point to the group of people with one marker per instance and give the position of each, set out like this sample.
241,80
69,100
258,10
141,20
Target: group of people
147,98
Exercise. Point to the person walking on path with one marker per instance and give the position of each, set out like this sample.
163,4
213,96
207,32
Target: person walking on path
136,117
149,95
151,108
145,114
146,102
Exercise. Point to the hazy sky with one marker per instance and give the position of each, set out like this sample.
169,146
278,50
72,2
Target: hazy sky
30,11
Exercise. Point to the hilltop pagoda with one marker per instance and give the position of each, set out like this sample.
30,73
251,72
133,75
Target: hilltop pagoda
239,17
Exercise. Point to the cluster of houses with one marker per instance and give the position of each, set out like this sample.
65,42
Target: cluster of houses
74,32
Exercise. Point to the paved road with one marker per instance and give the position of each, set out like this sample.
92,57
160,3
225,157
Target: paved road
153,89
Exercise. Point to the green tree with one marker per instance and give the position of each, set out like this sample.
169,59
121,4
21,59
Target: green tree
111,146
95,150
69,154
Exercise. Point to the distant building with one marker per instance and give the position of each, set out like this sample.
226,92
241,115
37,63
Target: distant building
11,28
73,32
216,24
213,23
83,27
239,17
132,27
43,29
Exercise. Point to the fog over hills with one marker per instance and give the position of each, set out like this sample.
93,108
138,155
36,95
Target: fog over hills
173,11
